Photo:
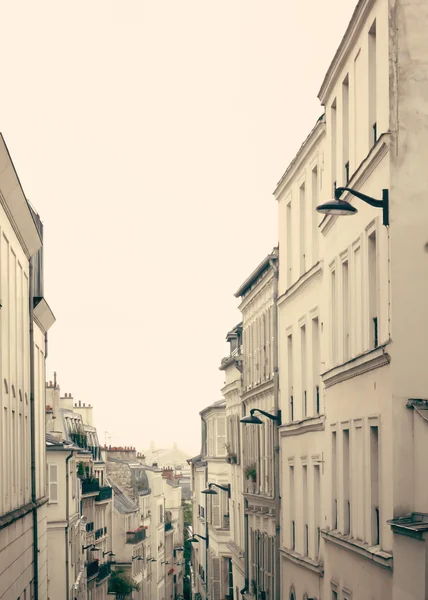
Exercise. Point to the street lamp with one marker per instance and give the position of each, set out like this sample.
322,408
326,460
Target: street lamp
137,558
210,491
165,562
342,208
109,552
195,535
92,547
151,560
253,420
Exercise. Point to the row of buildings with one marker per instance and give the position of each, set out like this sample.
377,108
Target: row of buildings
311,481
78,521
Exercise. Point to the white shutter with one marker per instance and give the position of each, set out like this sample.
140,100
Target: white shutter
216,510
221,436
53,484
210,438
216,578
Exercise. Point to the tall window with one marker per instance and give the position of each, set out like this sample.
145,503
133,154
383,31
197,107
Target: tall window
345,310
373,291
290,376
317,510
53,484
357,302
372,86
304,370
302,219
316,365
346,483
333,296
345,129
292,509
289,223
360,135
315,201
358,479
334,478
374,485
333,120
305,511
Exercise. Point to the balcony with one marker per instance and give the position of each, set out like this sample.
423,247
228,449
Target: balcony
89,527
133,537
168,526
89,486
105,494
92,569
104,571
100,532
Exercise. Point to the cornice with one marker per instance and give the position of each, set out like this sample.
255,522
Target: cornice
301,283
373,359
257,289
303,561
304,426
373,553
259,389
352,32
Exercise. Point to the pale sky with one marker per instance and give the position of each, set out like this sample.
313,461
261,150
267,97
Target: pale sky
150,136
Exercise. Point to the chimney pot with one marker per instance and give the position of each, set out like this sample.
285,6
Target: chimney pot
79,403
83,404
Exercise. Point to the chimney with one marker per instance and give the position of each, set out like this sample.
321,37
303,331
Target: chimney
55,379
80,403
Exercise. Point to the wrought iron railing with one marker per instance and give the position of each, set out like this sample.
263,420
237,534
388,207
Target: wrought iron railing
133,537
105,570
92,569
90,485
105,493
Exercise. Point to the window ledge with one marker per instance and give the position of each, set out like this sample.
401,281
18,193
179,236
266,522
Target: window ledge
235,549
304,561
304,426
373,553
372,359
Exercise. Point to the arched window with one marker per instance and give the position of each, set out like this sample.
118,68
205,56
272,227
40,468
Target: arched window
292,593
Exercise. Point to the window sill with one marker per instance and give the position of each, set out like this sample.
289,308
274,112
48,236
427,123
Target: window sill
372,359
304,561
304,426
373,553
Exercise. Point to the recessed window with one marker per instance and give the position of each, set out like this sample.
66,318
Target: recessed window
13,391
6,387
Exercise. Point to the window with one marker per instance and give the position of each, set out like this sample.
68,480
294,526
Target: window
302,218
289,224
53,484
304,371
305,511
373,291
316,365
346,483
345,311
290,375
221,436
315,219
334,478
317,510
357,303
333,294
292,511
345,129
372,86
333,143
374,484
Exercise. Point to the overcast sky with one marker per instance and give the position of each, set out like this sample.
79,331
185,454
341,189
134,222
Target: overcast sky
150,136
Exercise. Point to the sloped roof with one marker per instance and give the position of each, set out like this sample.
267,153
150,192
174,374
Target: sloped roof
122,503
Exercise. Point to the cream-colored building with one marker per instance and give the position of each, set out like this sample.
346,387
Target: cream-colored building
25,319
232,366
352,322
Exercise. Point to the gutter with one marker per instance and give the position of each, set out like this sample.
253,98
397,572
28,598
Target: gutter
67,517
277,573
33,439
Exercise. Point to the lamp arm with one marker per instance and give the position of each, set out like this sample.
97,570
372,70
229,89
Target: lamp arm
368,199
266,414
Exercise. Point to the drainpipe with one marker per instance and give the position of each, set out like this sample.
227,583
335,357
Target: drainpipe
33,440
247,563
67,518
277,579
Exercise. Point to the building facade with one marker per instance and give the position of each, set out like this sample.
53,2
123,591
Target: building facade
25,320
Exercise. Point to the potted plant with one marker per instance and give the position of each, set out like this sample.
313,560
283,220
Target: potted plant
251,472
232,458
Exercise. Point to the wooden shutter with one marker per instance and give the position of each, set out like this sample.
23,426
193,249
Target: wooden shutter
210,438
53,484
221,436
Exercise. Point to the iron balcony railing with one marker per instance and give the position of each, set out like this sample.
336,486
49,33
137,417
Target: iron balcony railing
105,493
92,569
133,537
168,526
105,570
90,527
90,486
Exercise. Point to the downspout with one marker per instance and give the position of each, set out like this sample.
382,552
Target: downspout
33,440
277,575
67,518
247,563
204,453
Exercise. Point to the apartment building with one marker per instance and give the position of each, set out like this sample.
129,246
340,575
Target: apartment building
258,440
232,366
174,533
352,374
300,320
212,564
25,320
